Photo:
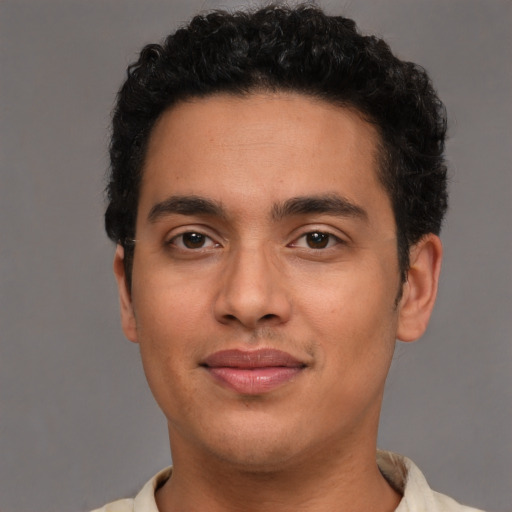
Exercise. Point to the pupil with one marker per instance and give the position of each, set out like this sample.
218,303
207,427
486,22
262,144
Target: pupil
317,240
193,240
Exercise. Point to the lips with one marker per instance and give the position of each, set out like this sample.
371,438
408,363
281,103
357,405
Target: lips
253,372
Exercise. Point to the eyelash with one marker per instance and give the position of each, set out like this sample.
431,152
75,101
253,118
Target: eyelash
172,241
329,239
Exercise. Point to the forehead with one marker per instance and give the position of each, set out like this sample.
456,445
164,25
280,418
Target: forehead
260,147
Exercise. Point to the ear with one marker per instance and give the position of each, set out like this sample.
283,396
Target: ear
125,300
420,289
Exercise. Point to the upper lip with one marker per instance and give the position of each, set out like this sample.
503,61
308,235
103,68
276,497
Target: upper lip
245,359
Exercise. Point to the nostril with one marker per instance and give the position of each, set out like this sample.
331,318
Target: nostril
270,316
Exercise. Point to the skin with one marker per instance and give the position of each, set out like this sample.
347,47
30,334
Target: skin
258,279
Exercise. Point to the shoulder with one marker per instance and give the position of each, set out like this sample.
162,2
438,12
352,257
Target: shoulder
144,501
447,504
406,478
125,505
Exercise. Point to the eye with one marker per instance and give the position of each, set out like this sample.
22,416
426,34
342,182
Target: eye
192,240
316,240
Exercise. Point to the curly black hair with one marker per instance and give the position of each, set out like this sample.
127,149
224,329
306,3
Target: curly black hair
300,49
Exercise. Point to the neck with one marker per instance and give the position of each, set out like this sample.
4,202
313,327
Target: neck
340,479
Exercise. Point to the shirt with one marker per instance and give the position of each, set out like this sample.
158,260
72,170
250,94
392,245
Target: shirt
401,473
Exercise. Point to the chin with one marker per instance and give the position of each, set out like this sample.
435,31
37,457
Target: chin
260,448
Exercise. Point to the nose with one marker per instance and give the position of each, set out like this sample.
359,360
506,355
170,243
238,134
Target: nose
252,291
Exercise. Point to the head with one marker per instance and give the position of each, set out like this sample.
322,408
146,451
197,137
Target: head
277,183
290,50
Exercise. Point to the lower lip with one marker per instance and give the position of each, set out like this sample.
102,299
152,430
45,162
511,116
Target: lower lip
254,381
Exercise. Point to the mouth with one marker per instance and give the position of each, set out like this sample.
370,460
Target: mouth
253,372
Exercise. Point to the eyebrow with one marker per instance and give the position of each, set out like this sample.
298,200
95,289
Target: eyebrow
330,204
186,205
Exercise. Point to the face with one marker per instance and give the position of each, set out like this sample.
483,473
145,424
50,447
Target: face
265,277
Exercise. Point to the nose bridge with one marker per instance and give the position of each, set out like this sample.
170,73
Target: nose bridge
252,290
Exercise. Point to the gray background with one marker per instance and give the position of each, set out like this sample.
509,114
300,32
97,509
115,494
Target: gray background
78,426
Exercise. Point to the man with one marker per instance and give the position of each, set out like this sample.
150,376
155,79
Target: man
276,195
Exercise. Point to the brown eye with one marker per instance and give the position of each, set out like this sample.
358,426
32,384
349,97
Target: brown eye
317,240
193,240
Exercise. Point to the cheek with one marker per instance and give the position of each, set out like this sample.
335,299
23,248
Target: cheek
352,299
169,321
354,321
167,302
168,357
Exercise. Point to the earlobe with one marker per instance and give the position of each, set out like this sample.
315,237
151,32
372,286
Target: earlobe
420,290
128,323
